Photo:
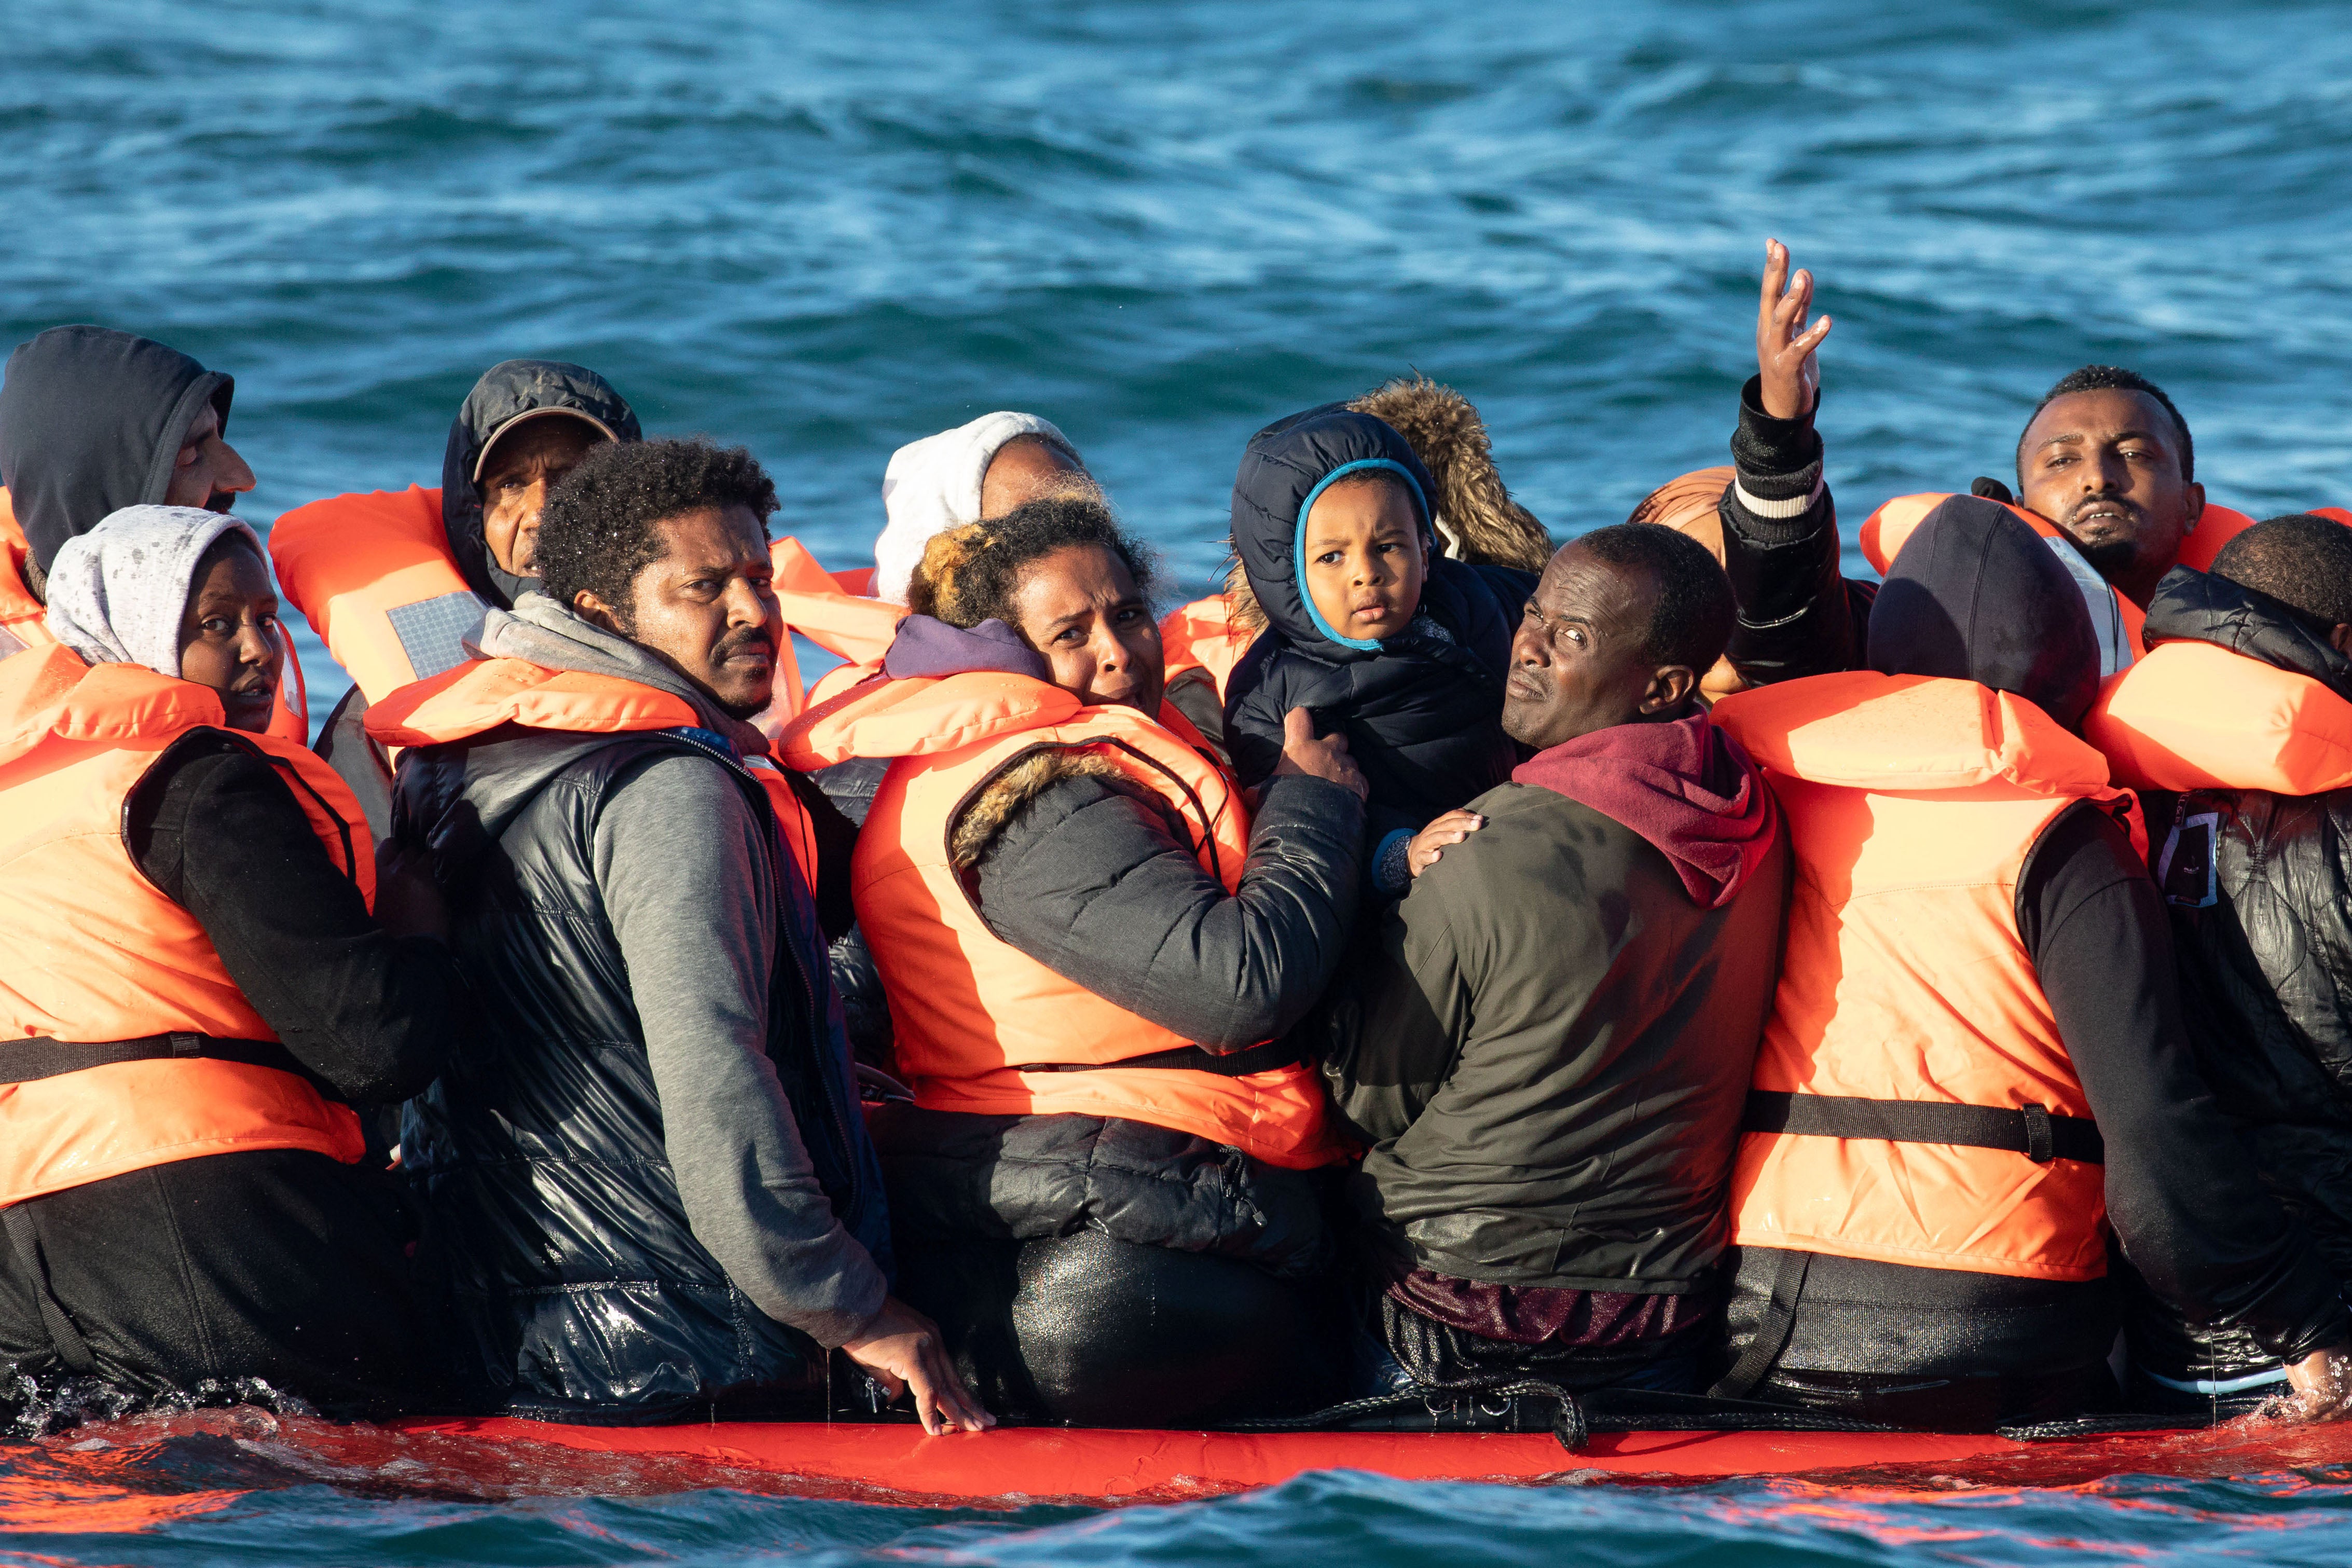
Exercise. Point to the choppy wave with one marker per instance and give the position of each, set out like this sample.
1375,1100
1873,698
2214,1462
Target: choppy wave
824,229
244,1488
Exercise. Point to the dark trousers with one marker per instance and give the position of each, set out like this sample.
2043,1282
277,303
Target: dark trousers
1093,1332
1936,1349
278,1265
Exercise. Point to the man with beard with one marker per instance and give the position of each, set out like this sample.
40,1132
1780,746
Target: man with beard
2106,472
647,1187
91,421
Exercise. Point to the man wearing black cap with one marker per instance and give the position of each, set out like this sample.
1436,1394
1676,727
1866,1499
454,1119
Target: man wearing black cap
93,420
396,581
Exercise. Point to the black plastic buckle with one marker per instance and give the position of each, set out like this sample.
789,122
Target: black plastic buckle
2039,1147
186,1045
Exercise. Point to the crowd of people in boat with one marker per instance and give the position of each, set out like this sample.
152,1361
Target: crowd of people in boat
1658,962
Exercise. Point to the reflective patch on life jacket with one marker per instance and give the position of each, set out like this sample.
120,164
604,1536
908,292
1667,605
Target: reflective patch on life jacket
2100,599
433,632
10,643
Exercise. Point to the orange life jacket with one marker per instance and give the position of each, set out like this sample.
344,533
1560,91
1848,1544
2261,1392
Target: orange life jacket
2219,525
95,952
968,1009
24,621
1912,803
375,576
1202,636
2192,715
482,694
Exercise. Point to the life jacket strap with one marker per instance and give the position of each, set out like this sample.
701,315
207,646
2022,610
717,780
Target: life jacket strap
2031,1131
40,1056
1264,1058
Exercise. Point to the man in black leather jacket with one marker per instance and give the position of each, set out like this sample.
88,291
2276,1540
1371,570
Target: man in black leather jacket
649,1187
2259,887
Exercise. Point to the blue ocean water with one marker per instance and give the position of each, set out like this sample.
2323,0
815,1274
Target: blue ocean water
824,229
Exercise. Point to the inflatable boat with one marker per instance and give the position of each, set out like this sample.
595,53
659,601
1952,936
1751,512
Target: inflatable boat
898,1463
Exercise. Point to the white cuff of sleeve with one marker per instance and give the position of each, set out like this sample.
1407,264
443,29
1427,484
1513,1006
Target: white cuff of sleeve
1795,506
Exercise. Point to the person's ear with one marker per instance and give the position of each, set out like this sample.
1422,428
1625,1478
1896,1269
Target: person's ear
596,612
2340,639
2196,498
1670,687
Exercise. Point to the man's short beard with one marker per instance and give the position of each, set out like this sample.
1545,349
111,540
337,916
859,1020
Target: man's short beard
2108,559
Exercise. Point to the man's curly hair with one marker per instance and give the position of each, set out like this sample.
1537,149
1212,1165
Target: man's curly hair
597,532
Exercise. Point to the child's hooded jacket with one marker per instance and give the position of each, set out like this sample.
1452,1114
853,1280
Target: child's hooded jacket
1422,709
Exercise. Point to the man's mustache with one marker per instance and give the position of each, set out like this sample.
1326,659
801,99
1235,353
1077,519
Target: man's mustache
729,647
2130,509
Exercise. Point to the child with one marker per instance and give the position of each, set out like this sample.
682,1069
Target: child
1372,630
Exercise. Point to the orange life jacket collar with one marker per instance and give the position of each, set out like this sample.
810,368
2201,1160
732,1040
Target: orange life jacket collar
924,716
2194,715
1908,733
475,698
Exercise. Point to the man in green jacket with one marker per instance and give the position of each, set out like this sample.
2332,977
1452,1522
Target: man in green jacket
1547,1049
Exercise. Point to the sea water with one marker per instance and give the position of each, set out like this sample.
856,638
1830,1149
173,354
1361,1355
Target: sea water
823,230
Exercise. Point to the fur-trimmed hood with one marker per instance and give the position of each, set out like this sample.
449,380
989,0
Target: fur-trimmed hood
1476,517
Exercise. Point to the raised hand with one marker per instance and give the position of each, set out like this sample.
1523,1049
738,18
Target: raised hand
1785,346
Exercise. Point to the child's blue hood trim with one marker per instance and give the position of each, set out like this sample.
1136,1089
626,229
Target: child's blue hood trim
1286,465
1298,535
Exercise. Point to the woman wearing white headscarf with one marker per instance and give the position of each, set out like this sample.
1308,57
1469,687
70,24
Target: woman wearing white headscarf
984,468
194,996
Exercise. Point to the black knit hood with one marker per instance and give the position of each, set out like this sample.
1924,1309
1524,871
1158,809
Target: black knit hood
507,389
92,420
1975,594
1284,468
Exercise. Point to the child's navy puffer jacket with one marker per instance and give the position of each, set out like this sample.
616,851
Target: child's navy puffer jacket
1422,709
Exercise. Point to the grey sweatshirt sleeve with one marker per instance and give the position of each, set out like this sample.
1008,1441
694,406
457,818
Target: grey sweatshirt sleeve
684,876
1091,881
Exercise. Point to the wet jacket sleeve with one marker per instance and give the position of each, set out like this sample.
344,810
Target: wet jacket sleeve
1796,616
679,857
1388,1034
219,833
1091,881
2182,1194
1254,711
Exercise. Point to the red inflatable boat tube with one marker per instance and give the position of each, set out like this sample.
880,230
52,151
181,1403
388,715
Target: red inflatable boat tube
1111,1467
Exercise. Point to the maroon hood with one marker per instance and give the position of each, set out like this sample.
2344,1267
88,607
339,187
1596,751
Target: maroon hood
1685,786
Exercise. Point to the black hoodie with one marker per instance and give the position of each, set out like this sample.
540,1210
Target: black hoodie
1422,710
92,420
507,389
1978,595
